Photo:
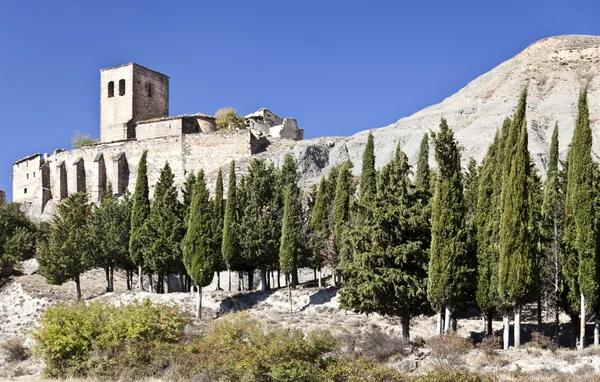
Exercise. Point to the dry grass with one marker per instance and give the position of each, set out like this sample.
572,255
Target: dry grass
447,350
15,349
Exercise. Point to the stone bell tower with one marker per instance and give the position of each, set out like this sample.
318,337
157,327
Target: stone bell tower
130,93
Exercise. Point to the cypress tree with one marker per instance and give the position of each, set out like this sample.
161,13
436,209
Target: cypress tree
341,212
390,278
139,213
188,190
448,265
218,218
368,179
471,189
319,226
66,254
552,218
288,177
164,229
515,273
486,218
229,244
582,234
288,249
423,176
199,255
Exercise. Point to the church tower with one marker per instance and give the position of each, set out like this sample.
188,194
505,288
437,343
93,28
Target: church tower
130,93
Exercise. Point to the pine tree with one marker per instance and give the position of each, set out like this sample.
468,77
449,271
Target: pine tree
582,234
199,254
139,213
288,249
164,229
218,218
448,264
515,272
109,235
423,176
552,229
368,181
486,217
229,245
390,278
65,256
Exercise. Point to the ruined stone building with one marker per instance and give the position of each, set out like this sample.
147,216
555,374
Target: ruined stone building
134,116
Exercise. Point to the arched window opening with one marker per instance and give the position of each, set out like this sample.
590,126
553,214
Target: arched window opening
121,87
111,89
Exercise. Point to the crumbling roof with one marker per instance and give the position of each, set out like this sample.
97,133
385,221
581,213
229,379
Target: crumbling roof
199,115
28,158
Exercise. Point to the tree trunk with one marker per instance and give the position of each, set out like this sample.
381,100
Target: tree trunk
596,331
289,293
294,277
517,334
219,280
582,324
539,311
315,273
506,320
490,318
112,279
229,276
199,304
77,288
150,283
263,279
240,281
447,318
405,326
272,280
251,279
278,279
440,323
140,278
128,281
268,280
320,278
107,275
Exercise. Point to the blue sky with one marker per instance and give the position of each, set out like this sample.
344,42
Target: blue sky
339,67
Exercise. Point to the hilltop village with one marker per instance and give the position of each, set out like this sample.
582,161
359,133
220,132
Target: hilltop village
134,116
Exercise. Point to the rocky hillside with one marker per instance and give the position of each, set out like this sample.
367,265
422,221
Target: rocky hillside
555,69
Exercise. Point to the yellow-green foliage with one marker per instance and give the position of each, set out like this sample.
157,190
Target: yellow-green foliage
362,370
69,334
453,376
80,140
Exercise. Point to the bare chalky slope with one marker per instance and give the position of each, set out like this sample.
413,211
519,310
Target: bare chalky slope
555,69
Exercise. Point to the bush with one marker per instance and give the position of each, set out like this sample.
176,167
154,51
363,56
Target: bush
453,376
362,370
448,349
117,337
15,350
79,140
490,345
227,119
540,341
373,344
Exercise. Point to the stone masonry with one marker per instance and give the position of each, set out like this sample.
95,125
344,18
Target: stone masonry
134,118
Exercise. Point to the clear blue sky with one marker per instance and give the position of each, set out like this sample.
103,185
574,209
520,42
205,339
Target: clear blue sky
339,67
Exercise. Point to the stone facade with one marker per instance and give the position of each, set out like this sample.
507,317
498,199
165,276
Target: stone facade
134,107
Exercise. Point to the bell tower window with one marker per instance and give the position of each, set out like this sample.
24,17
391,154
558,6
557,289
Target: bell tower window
111,89
121,87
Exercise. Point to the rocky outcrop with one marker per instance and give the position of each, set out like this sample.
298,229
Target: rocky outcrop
555,69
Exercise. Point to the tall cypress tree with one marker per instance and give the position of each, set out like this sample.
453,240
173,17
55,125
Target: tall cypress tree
288,178
319,226
341,212
164,229
486,294
390,277
552,229
515,271
139,214
582,234
471,189
188,190
199,254
218,218
423,176
229,245
448,264
288,250
368,179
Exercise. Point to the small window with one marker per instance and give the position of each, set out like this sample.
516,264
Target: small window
26,163
121,87
25,191
27,176
149,89
34,175
111,89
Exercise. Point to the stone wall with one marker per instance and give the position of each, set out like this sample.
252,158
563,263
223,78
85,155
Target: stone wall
90,169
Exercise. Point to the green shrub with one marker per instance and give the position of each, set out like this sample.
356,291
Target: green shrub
117,337
453,376
362,370
80,140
